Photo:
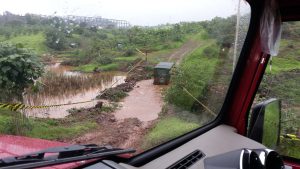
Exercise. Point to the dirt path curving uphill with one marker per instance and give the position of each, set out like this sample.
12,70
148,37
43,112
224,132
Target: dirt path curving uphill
181,52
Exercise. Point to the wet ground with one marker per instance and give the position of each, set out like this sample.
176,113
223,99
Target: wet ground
126,126
139,111
85,88
144,102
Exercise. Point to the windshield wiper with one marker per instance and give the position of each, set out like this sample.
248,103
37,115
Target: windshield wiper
60,155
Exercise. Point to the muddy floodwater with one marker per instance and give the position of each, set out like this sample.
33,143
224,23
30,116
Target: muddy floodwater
59,85
144,102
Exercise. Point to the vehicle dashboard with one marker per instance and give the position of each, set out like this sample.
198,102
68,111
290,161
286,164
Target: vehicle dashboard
222,139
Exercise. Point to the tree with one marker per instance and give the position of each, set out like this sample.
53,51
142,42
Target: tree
221,29
56,39
19,67
30,19
177,32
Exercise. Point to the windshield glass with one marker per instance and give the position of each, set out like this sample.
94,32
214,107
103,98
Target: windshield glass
132,73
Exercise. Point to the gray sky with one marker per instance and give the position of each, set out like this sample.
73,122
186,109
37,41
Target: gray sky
137,12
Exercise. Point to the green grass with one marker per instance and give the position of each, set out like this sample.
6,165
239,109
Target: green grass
169,45
118,61
49,129
280,64
166,129
35,42
2,38
194,73
91,67
86,68
109,67
52,130
290,148
158,56
4,117
271,125
162,55
126,59
288,90
288,57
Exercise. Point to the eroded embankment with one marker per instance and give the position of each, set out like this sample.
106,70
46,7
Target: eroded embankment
133,117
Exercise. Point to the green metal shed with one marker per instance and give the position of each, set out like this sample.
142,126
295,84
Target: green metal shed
162,73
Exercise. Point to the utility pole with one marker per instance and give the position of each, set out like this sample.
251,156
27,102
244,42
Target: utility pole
236,36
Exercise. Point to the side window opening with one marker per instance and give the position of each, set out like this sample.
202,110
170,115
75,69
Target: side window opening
282,81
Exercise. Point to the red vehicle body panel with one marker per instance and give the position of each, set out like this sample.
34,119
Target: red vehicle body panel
18,145
292,164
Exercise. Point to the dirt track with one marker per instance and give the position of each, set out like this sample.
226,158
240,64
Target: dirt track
186,48
144,102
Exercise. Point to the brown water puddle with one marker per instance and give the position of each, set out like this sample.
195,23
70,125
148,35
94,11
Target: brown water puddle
65,70
144,102
63,86
127,126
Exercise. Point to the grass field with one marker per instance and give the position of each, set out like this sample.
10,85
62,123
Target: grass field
126,59
50,129
91,67
282,64
117,63
271,125
35,42
167,129
288,57
290,148
195,71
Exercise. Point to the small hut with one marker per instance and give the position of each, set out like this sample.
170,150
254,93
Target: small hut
162,73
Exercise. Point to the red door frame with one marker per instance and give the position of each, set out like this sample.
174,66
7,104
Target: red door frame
250,72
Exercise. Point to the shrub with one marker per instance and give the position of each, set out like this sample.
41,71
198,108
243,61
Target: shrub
18,124
211,51
113,94
19,68
129,52
104,60
194,73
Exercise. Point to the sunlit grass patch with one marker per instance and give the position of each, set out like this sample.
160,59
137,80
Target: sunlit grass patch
283,64
127,59
35,42
194,73
89,68
50,129
55,131
290,148
166,129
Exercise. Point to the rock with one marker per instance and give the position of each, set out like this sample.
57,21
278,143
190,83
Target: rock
135,128
112,119
97,70
99,105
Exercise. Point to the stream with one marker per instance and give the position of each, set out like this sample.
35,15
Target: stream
60,85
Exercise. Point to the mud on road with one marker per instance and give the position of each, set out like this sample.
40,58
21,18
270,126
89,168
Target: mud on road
123,134
126,127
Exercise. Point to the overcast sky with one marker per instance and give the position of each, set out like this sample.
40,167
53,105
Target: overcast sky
137,12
